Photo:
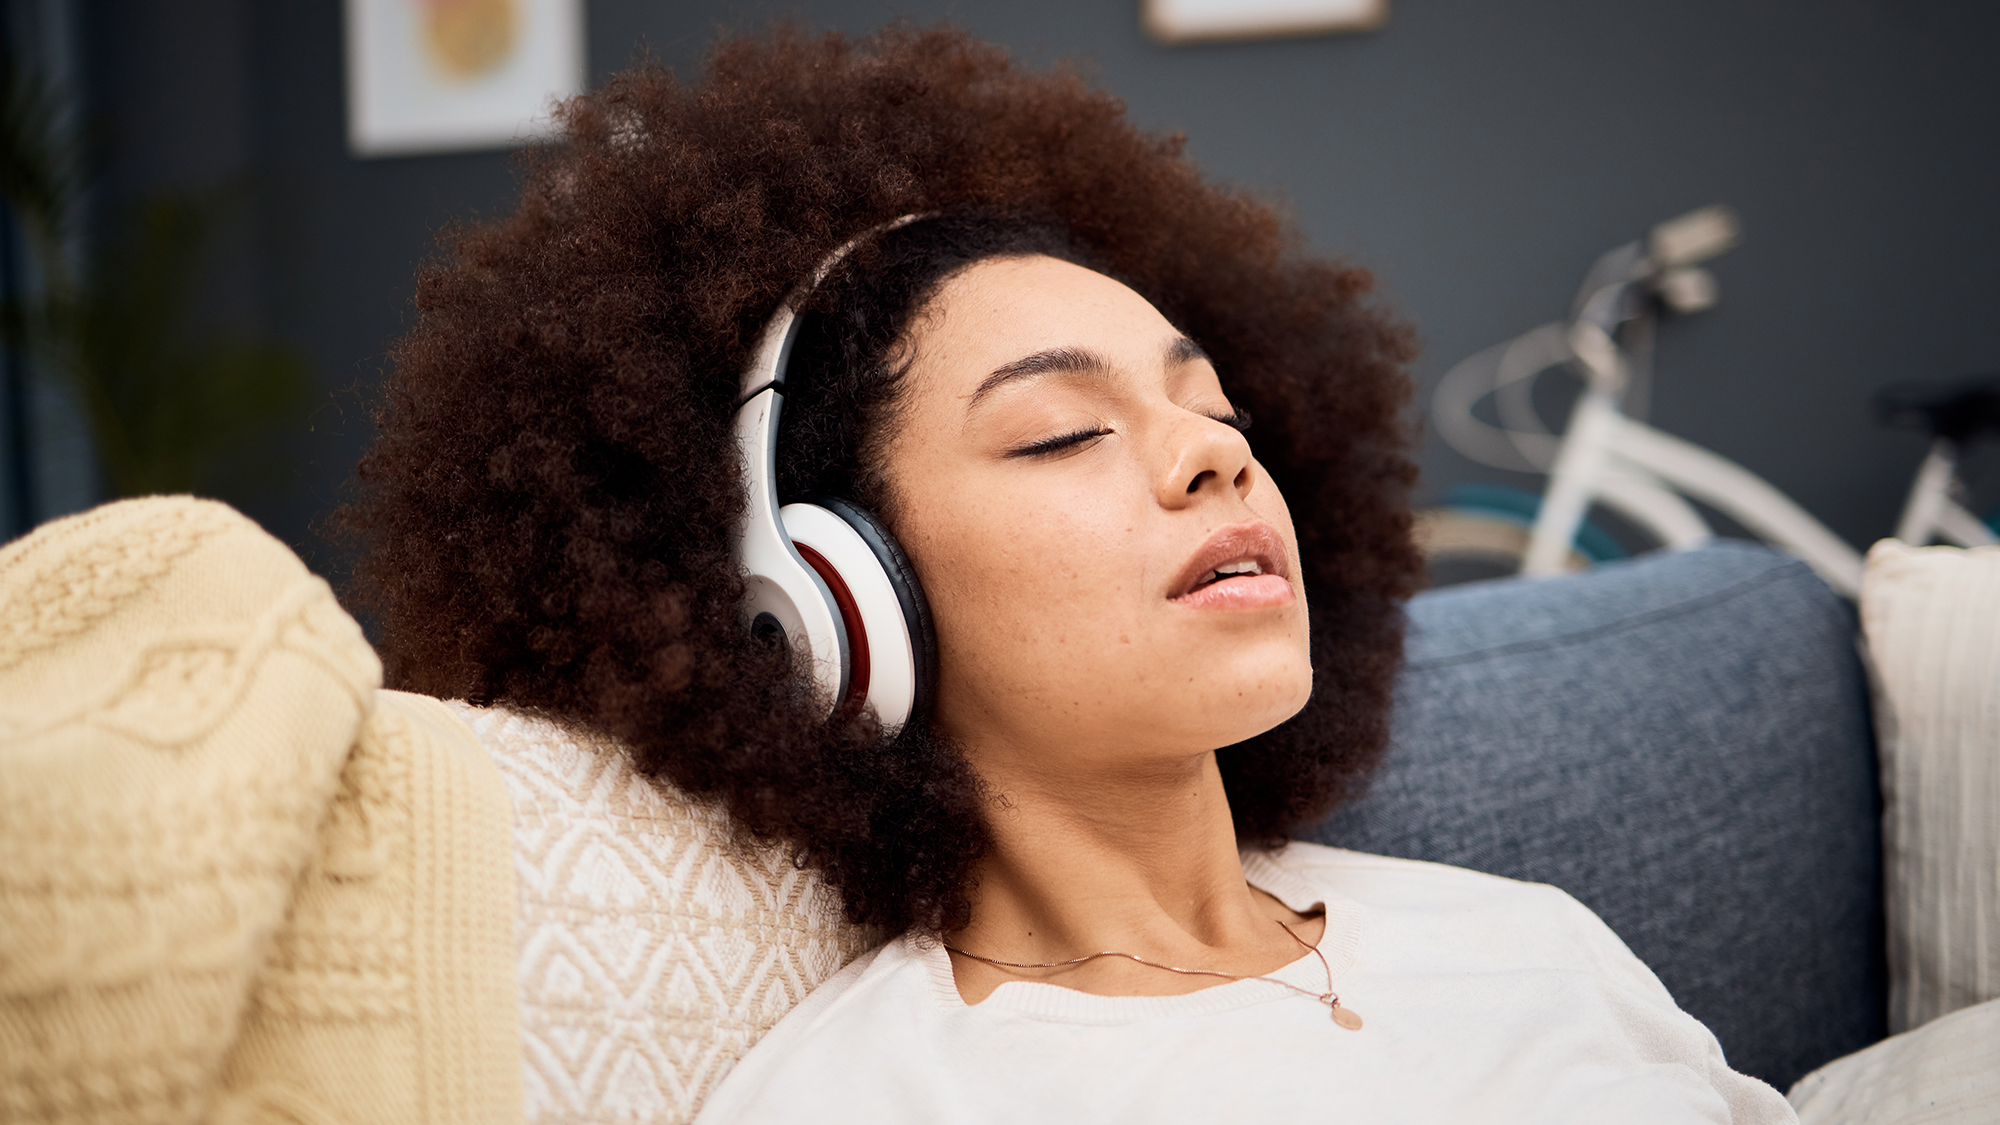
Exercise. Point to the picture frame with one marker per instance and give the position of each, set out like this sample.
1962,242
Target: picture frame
1200,21
427,76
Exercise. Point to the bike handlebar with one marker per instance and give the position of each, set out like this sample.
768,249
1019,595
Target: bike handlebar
1694,237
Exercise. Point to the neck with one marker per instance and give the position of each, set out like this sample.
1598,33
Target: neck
1139,860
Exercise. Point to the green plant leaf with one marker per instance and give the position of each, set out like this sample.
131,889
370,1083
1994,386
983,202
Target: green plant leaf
172,408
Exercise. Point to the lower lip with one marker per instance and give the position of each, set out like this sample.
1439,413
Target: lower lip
1255,591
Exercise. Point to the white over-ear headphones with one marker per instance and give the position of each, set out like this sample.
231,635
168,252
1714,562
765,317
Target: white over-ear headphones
827,576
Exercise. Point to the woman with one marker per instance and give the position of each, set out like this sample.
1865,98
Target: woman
1036,363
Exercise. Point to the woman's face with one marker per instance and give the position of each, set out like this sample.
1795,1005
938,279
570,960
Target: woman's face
1067,485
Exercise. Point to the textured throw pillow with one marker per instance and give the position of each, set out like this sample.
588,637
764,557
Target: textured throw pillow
654,951
1932,620
1946,1072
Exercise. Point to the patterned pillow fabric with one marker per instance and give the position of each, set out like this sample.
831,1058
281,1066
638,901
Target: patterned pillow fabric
654,951
1932,619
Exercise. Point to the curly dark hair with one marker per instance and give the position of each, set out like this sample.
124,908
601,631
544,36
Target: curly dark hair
547,512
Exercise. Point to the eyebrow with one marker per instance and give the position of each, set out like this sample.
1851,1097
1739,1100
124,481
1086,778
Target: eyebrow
1069,360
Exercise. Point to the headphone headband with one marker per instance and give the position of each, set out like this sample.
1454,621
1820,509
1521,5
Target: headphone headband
774,346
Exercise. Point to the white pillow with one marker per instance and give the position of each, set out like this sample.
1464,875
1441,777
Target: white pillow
654,951
1932,620
1944,1073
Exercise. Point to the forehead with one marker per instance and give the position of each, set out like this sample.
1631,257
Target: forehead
997,311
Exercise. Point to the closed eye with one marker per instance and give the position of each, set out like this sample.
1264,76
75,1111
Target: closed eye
1057,444
1238,420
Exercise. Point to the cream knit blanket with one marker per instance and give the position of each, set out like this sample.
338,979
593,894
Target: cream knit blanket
236,881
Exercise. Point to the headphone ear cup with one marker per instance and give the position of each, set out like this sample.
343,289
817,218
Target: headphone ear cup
891,645
909,597
909,594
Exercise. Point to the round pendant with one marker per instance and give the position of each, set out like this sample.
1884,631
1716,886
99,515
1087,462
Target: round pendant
1346,1018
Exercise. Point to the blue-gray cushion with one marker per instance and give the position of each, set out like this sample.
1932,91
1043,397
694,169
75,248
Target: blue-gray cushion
1683,743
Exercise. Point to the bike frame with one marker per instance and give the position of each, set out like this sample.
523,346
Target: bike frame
1931,510
1646,474
1606,456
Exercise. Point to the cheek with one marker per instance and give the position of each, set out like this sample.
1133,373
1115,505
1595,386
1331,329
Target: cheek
1269,503
1021,583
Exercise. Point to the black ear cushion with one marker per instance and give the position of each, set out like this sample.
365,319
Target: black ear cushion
909,593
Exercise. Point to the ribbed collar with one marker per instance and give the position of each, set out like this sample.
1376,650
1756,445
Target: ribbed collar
1265,871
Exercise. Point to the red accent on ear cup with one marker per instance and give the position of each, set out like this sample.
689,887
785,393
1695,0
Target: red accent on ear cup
916,612
850,618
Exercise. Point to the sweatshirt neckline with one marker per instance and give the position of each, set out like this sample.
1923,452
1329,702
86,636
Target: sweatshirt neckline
1339,944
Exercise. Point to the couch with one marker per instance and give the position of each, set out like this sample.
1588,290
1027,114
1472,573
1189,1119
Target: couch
1683,742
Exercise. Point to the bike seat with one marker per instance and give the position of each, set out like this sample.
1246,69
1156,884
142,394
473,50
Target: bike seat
1957,410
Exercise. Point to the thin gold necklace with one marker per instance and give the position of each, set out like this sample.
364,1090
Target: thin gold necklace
1345,1017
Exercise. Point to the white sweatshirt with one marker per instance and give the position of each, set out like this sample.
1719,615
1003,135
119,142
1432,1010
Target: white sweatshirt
1484,999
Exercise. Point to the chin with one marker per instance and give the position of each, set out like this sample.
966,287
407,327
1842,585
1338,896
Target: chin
1240,708
1280,709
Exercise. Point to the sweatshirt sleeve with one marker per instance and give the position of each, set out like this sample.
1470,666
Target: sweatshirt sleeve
1655,1020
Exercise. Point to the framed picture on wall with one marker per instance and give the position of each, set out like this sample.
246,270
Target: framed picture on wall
443,75
1193,21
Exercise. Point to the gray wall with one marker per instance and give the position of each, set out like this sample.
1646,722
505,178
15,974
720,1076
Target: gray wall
1476,155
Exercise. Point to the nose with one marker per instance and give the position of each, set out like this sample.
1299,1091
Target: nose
1204,456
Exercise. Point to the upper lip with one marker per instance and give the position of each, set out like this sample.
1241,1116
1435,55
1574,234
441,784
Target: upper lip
1252,539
